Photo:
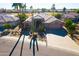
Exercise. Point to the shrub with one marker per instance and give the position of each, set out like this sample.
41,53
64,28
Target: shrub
68,22
70,26
77,11
7,26
22,17
43,10
58,16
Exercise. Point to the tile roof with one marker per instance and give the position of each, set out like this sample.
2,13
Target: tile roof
47,18
6,18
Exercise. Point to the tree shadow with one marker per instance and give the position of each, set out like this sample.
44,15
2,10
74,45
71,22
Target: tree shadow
23,32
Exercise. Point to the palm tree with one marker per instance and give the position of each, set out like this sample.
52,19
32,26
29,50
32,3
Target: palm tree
16,5
53,8
64,10
23,7
21,15
31,8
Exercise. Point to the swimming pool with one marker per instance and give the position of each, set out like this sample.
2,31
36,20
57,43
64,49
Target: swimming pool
58,31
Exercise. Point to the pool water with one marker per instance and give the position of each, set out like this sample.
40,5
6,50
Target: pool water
1,29
59,31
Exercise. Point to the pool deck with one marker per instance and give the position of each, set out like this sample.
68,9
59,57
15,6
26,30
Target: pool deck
57,46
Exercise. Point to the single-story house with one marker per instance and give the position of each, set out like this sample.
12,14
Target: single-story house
49,21
71,15
10,19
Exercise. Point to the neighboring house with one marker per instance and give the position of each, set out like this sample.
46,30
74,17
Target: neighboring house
73,16
70,15
5,18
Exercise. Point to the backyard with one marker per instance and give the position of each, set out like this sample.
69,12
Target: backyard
53,32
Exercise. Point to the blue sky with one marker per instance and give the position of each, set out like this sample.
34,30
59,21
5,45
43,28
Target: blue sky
43,5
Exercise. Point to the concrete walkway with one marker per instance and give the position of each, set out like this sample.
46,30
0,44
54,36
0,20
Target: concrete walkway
57,46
